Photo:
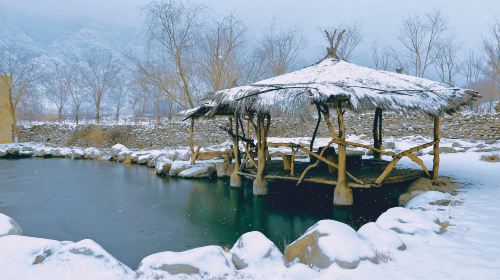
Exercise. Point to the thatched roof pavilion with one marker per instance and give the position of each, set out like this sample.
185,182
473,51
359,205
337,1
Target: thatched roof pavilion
333,85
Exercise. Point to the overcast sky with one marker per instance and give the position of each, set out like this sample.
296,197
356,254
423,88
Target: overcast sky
379,19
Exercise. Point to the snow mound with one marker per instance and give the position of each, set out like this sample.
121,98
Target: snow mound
406,221
162,165
8,226
254,250
208,261
428,200
80,258
383,241
199,171
328,242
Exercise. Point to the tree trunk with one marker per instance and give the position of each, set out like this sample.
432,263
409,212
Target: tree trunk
342,194
377,133
435,165
235,180
260,183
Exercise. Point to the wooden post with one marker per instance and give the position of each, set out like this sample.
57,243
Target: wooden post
342,194
377,133
435,166
235,179
260,183
191,142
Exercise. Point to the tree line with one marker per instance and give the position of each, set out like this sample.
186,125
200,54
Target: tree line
188,51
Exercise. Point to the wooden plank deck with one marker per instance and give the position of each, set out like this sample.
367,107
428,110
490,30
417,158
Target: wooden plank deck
367,172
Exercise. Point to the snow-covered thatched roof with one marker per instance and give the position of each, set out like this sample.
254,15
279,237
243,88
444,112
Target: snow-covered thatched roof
330,80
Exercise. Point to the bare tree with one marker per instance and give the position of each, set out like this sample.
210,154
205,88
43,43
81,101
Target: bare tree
55,88
381,58
119,96
419,37
19,72
72,79
492,50
445,60
174,25
221,53
279,49
100,74
471,68
351,38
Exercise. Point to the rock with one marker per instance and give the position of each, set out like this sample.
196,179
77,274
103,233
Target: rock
177,167
406,221
92,153
8,226
389,145
77,154
3,153
122,156
383,241
208,262
490,141
404,198
144,159
456,145
199,171
253,249
428,199
163,165
183,155
421,184
329,242
80,258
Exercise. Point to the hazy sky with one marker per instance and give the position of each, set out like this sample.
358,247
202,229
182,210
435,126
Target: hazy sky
379,19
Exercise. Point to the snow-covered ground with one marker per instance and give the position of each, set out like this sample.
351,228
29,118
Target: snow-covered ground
457,240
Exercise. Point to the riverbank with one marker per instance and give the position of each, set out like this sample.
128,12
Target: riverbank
444,236
175,133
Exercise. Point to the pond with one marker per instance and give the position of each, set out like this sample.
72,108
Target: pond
132,212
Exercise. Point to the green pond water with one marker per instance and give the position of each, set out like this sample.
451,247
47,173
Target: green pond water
132,213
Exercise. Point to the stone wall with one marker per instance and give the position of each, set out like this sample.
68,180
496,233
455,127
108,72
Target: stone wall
176,133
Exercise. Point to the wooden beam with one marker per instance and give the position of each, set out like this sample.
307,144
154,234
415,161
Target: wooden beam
397,157
437,137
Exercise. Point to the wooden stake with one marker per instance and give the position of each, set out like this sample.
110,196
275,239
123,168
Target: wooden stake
437,137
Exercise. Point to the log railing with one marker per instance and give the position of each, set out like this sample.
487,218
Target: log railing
320,158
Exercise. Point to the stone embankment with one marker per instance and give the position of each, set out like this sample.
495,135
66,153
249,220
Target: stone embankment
176,133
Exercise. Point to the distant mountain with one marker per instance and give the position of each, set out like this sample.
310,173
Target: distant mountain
56,38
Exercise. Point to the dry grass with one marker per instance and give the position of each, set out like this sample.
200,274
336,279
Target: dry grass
491,157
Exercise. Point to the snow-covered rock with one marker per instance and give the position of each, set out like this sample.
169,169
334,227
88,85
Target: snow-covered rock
198,171
122,156
177,167
77,153
406,221
163,165
42,152
8,226
328,242
92,153
144,158
254,250
429,199
209,261
183,155
61,152
383,241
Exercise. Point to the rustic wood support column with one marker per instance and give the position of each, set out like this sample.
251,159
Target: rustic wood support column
377,133
342,194
437,137
191,141
235,180
260,183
